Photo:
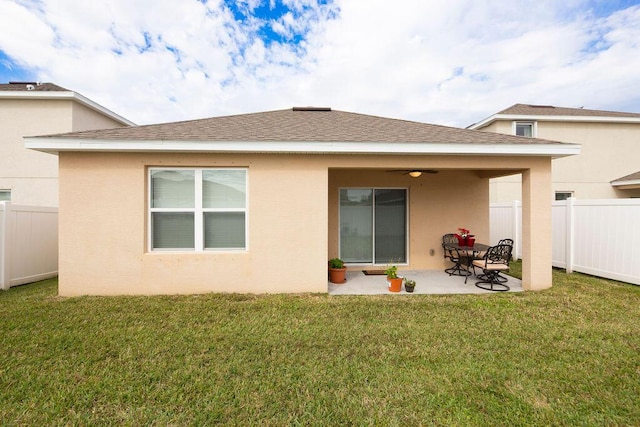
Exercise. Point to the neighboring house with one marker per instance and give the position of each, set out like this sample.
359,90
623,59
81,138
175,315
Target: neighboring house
628,182
29,108
609,158
259,202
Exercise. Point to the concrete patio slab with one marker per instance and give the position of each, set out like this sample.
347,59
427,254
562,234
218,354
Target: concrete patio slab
427,282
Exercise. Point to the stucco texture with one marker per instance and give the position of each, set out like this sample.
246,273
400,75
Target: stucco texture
292,219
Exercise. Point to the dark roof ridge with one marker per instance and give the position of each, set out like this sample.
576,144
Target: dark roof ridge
551,110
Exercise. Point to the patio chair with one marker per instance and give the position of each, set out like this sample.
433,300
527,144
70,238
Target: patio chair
506,242
455,256
446,240
509,242
495,260
500,277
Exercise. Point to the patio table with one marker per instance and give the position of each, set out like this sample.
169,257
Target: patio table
469,253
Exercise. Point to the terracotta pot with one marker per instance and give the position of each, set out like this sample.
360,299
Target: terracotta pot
338,275
395,285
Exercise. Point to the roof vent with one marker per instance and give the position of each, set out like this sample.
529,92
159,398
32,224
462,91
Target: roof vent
28,85
311,108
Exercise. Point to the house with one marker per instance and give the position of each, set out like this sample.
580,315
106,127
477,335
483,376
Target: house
259,202
610,143
30,108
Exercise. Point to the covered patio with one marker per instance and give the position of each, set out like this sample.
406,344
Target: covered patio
427,282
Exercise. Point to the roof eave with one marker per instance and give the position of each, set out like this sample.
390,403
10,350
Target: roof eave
67,95
57,145
551,118
631,184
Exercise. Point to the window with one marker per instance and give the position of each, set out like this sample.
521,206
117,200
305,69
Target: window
563,195
524,129
197,209
5,195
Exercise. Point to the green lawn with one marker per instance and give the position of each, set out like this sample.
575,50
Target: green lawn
565,356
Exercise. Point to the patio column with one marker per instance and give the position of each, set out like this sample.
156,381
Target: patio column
536,226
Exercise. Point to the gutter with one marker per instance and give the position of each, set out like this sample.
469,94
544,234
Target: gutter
54,145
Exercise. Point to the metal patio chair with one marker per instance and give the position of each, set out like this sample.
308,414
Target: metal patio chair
454,255
495,261
500,278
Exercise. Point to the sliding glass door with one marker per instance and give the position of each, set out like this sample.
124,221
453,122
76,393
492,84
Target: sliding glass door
373,225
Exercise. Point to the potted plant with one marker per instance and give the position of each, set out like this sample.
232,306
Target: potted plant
395,282
409,285
465,238
337,271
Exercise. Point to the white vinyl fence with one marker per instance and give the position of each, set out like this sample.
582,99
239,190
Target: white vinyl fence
28,244
597,237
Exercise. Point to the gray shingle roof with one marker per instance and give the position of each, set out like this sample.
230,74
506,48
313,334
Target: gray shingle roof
550,110
31,87
303,125
632,177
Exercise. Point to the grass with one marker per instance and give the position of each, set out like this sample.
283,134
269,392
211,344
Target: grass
569,355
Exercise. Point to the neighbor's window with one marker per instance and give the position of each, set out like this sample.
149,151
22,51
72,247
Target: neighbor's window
524,129
5,195
197,209
563,195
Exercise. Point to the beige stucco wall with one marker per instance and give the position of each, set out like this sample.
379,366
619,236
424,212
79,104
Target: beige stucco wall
293,219
608,151
32,176
85,118
103,242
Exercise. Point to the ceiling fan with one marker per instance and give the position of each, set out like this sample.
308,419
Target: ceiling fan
414,173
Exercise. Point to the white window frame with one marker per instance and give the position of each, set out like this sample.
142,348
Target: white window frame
555,195
198,210
533,124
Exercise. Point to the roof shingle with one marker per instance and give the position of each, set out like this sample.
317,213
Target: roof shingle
303,125
31,87
633,177
550,110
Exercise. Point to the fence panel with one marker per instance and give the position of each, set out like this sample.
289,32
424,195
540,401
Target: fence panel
28,244
559,227
596,237
506,220
502,225
4,276
605,236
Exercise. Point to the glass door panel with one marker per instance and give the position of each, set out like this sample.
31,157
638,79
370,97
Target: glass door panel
356,225
390,226
373,225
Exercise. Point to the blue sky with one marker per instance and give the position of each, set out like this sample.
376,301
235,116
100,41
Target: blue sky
451,63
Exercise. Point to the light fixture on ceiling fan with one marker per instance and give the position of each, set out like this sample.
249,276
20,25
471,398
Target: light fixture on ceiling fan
414,173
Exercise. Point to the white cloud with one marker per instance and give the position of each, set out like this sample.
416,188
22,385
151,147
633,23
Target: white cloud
451,62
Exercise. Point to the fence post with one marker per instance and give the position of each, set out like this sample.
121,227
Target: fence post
515,232
569,236
5,252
